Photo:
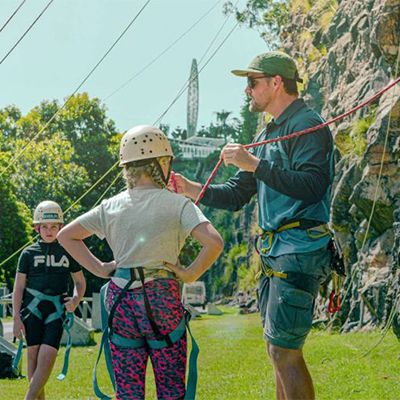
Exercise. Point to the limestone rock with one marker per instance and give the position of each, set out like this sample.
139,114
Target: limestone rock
358,55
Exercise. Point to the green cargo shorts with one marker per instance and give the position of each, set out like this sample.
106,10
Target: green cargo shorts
287,305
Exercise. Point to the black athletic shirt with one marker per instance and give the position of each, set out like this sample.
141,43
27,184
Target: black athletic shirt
48,267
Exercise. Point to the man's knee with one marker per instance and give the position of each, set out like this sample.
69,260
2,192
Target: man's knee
281,356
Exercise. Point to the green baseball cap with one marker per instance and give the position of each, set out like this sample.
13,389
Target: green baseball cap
272,63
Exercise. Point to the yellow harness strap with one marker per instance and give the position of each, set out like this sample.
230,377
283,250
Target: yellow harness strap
267,271
315,233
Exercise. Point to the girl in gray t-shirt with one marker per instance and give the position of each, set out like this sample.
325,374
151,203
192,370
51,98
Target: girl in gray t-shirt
146,227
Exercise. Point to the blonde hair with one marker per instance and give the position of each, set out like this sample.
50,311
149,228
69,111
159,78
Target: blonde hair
132,174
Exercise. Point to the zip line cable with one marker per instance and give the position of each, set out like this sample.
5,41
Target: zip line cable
12,15
76,90
186,85
25,33
119,174
163,52
113,166
216,36
142,70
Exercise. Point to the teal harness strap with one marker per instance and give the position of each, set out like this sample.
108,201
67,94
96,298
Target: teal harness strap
17,358
104,345
32,307
192,375
175,335
68,322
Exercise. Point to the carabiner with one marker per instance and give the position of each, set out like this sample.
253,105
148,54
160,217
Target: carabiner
332,306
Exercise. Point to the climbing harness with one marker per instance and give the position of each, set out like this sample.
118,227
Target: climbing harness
33,309
306,282
315,229
139,276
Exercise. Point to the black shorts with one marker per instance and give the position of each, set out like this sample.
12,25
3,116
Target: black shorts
37,332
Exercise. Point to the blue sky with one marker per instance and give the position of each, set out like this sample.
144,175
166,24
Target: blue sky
73,35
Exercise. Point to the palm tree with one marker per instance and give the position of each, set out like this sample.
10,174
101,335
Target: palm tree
222,117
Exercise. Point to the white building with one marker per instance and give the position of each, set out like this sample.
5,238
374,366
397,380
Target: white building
198,147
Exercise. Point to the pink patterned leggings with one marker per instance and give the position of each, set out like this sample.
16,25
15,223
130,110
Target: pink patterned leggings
130,321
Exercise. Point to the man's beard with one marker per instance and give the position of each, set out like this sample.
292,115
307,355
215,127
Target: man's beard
254,107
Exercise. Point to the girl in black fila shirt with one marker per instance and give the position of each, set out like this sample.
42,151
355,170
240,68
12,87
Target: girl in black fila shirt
43,271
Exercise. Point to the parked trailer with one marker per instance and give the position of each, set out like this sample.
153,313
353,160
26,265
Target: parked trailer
194,294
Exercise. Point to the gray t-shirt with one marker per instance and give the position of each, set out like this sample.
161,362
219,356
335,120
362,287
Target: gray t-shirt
144,227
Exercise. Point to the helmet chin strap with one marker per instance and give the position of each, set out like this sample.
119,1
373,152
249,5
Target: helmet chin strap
160,170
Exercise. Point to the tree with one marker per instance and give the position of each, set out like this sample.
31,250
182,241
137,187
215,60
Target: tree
47,172
8,125
15,225
268,17
248,125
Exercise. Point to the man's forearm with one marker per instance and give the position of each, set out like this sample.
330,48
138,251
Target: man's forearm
233,194
194,190
309,186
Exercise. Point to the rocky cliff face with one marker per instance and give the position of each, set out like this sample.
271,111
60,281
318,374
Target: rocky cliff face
347,51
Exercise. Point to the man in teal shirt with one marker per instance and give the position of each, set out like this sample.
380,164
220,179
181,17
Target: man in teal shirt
292,180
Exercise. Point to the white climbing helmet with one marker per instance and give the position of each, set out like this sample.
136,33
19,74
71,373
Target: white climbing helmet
48,211
143,142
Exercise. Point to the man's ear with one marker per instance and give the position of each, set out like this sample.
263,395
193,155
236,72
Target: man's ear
37,228
278,80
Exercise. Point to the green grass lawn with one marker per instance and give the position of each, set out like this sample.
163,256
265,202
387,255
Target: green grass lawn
233,365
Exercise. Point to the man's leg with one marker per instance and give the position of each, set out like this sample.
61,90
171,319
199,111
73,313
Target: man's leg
45,361
288,317
263,295
294,377
280,394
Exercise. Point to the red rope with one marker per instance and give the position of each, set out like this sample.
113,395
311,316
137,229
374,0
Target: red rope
299,133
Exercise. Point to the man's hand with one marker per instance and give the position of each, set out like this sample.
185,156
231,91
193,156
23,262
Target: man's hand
186,187
237,155
18,328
